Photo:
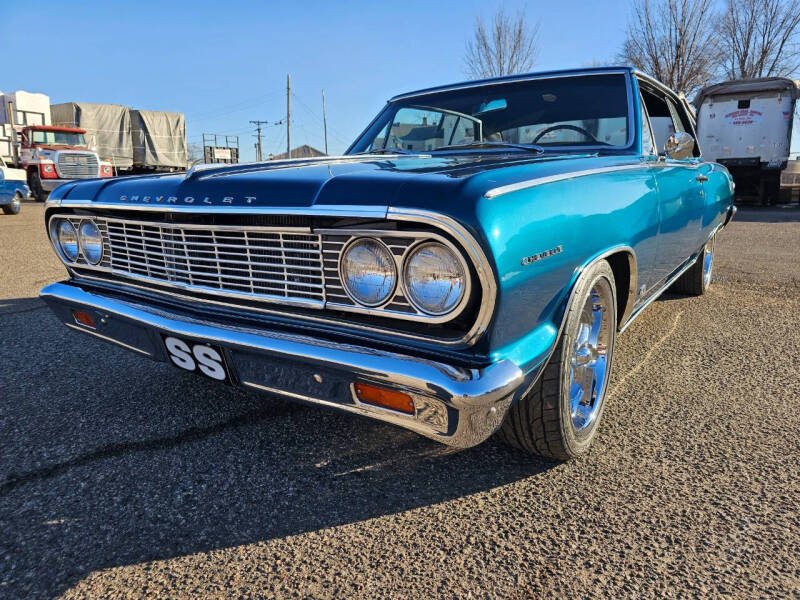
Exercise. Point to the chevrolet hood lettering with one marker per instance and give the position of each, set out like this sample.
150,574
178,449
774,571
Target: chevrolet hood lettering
229,200
412,181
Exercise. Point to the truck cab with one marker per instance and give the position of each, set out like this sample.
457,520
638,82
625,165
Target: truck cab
52,155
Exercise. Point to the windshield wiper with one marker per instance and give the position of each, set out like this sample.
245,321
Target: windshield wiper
527,147
386,151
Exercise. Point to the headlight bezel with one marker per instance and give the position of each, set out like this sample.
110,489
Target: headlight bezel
400,304
60,244
392,261
83,245
461,265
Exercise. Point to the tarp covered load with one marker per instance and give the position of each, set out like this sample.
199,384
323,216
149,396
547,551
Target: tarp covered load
108,128
159,139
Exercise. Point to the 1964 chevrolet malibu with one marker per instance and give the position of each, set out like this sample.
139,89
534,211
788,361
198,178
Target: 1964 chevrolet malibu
463,269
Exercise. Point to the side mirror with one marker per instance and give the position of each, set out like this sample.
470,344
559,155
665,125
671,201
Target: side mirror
679,145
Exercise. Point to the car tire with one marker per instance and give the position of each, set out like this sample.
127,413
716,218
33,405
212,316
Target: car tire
695,281
39,194
14,207
557,418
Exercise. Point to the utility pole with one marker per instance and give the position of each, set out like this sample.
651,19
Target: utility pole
288,116
324,122
258,125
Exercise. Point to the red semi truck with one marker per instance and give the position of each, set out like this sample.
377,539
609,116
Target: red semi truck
52,155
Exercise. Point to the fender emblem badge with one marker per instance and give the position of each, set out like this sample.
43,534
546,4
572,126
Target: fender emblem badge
534,257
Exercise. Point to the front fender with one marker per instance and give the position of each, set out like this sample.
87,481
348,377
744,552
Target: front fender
544,237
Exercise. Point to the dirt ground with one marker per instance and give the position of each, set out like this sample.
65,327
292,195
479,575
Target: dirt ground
120,477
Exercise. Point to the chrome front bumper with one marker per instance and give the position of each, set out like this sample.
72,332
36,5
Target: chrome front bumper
453,405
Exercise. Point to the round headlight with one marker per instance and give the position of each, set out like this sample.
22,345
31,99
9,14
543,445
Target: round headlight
91,242
67,239
368,272
434,278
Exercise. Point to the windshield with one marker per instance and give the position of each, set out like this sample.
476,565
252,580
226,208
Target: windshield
58,138
583,111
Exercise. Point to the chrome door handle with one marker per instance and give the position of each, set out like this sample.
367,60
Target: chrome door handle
701,178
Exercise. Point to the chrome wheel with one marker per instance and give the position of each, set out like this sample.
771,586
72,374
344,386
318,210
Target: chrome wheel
708,262
16,203
589,358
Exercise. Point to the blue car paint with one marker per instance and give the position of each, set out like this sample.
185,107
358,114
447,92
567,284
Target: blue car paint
652,208
9,188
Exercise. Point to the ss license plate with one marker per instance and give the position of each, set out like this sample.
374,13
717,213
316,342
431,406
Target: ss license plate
203,358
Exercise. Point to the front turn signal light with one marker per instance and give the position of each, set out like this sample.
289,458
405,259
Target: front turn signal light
391,399
84,318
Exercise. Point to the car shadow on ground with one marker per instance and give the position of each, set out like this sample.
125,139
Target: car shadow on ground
109,459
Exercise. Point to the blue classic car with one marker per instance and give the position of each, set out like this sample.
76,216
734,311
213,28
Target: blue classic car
464,269
13,188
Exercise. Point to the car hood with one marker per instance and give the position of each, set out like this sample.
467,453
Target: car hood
433,182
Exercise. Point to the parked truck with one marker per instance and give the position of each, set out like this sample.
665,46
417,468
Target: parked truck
746,125
133,141
49,154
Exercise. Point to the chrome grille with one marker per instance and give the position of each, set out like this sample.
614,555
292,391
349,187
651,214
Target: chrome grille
240,260
77,165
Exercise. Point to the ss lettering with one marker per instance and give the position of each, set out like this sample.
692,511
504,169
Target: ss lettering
205,358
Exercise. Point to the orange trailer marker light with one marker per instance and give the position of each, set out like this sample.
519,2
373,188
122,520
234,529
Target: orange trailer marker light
384,398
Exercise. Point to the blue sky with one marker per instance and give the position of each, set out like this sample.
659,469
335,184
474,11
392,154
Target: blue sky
223,64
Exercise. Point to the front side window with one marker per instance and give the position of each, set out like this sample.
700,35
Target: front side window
665,118
579,111
58,138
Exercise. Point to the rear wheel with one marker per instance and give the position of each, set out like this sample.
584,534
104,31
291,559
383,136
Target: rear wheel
697,278
559,417
16,204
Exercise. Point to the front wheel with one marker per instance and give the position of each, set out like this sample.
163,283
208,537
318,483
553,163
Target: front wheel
16,204
559,417
39,192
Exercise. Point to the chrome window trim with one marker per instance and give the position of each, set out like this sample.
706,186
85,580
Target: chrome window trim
522,185
466,243
512,79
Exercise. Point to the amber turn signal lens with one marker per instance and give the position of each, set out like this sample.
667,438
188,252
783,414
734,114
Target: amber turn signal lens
84,318
385,398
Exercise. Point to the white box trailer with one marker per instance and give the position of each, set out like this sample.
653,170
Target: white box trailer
20,108
746,125
30,108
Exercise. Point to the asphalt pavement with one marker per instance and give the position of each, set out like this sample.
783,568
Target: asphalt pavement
124,478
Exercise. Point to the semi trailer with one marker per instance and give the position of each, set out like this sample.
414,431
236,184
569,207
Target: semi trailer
746,125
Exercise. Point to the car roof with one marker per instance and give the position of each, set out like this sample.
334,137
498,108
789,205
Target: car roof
534,75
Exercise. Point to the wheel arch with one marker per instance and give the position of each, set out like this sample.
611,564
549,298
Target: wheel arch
624,266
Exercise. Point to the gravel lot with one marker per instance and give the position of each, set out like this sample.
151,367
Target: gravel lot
120,477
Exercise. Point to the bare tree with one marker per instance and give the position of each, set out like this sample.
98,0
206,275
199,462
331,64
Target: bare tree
505,46
675,41
759,38
194,153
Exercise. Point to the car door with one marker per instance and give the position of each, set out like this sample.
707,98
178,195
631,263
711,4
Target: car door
680,188
4,185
